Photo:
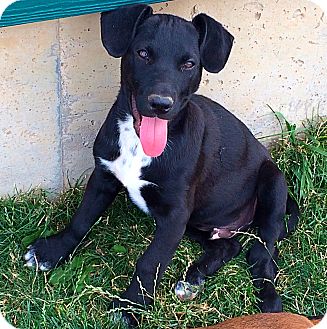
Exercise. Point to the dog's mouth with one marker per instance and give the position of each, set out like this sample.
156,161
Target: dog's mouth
152,132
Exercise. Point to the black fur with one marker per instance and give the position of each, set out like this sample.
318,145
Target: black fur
214,172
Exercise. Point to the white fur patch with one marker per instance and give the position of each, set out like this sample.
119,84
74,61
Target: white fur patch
127,167
186,291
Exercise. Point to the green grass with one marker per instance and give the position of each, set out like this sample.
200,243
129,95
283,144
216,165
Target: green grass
77,294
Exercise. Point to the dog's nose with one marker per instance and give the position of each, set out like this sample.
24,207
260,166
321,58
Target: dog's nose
160,103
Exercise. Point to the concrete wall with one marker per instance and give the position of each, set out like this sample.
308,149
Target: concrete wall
57,83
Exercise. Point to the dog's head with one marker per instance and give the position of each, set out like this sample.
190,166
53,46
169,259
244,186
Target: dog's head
162,61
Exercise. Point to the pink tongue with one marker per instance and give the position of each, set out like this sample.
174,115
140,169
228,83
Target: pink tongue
153,135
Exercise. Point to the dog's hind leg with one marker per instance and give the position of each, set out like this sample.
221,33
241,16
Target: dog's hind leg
216,254
270,218
292,210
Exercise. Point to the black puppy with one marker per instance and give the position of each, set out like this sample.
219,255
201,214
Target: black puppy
183,159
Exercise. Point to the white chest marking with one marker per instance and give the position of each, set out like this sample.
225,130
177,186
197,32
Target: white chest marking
127,167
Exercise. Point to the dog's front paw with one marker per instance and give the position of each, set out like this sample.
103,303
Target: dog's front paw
122,316
45,254
121,320
187,291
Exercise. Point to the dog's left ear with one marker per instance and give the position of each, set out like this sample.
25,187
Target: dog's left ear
215,43
118,27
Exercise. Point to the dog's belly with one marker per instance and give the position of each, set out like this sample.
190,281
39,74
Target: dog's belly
128,166
237,223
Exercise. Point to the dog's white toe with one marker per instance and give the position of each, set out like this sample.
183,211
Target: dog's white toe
44,267
28,255
31,262
186,291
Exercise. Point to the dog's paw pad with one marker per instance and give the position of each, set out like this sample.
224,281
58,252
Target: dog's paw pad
186,291
32,261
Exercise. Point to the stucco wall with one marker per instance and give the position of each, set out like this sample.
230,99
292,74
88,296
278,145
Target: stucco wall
57,83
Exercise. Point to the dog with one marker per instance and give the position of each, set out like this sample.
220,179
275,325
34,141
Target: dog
269,321
183,159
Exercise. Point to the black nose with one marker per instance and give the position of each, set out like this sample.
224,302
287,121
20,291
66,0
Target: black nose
160,103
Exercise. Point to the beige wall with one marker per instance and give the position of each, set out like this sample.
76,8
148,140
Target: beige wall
57,83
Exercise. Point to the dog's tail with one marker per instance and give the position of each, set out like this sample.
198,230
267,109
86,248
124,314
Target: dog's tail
293,212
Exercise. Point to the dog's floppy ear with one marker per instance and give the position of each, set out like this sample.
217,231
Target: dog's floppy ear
118,27
215,43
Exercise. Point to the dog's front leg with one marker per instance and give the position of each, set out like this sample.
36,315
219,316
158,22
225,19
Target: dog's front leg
152,264
48,252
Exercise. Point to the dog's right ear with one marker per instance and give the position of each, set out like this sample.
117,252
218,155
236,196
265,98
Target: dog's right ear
118,27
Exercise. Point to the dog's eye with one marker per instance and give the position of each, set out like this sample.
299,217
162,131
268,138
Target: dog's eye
143,54
187,65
